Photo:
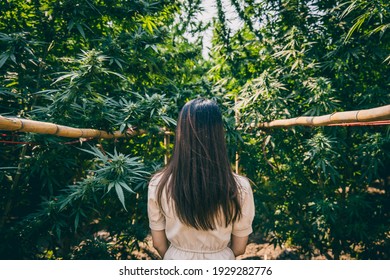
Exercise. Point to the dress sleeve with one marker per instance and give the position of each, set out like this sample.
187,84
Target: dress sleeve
156,217
243,227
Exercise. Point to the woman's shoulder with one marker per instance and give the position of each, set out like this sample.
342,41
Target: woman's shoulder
243,182
245,192
155,179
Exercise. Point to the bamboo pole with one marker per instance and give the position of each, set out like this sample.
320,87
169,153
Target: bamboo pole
375,114
24,125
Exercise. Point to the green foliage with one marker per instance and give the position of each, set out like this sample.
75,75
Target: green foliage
319,189
89,64
126,65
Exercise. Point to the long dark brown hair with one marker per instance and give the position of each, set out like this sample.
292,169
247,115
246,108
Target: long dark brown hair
198,177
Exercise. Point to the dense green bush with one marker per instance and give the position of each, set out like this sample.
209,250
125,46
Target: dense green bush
111,65
323,189
118,65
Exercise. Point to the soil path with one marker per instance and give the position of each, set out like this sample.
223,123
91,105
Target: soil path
257,249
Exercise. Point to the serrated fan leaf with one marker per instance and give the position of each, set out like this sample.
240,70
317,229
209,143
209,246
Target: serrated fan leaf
76,221
126,187
120,195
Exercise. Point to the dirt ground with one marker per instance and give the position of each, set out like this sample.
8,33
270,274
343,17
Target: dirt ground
257,249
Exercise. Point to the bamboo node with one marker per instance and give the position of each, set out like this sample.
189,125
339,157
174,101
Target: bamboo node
356,116
57,130
21,125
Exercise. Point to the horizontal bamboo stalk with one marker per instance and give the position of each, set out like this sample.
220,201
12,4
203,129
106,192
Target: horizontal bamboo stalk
375,114
24,125
361,116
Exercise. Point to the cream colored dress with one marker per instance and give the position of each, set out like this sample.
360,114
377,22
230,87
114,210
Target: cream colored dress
187,243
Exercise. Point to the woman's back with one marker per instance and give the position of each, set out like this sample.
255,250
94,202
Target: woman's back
196,201
190,243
